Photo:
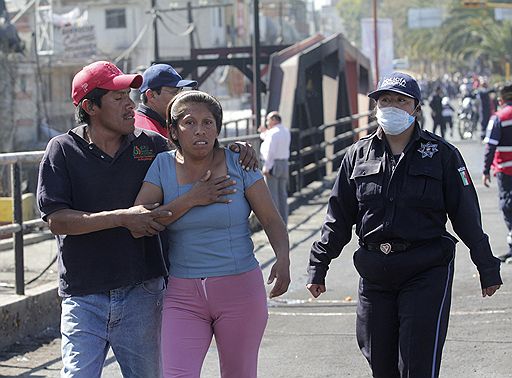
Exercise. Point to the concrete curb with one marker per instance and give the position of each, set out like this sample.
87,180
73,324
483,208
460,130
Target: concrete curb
30,314
32,238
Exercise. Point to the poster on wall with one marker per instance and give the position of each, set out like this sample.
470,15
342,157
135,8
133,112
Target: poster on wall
78,41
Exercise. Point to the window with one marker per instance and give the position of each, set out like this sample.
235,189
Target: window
23,83
115,18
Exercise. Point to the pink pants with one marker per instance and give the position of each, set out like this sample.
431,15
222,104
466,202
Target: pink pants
233,308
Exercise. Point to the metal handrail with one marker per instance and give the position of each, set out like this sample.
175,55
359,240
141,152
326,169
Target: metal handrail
19,226
36,156
341,121
21,157
248,138
248,121
15,159
304,161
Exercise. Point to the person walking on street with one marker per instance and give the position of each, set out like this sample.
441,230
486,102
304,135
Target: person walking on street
111,284
160,83
498,156
447,113
484,107
274,154
399,186
436,105
215,282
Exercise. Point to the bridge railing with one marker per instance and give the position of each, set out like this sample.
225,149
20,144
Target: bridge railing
238,127
18,226
298,171
312,161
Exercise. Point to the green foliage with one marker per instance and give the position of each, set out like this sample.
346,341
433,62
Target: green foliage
351,12
397,11
467,38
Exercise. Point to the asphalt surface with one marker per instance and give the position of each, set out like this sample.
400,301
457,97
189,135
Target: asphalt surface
316,338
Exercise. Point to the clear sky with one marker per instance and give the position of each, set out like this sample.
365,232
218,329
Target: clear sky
319,3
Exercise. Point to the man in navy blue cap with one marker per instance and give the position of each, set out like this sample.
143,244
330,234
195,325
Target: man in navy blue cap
399,186
160,83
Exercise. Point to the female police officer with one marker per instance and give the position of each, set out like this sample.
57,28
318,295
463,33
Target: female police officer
399,185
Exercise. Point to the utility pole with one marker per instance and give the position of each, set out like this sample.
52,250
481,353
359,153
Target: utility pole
281,24
156,54
44,45
190,19
315,18
256,65
376,41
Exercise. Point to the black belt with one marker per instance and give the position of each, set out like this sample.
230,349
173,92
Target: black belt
387,247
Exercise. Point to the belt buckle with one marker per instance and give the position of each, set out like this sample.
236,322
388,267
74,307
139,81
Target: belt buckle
385,248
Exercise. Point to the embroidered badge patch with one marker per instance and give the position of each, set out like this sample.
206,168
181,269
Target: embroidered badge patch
428,149
142,153
464,175
385,248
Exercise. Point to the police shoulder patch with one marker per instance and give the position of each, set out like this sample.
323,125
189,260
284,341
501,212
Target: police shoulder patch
464,176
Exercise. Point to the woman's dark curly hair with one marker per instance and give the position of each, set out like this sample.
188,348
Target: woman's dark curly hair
178,106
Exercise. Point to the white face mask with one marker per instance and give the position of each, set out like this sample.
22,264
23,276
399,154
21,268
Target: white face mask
394,121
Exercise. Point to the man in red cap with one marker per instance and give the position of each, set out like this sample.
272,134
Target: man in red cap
111,282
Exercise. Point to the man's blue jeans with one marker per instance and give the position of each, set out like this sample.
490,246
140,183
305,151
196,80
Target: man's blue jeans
126,319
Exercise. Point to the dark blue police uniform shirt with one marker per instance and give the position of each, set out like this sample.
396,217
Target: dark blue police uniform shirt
75,174
409,200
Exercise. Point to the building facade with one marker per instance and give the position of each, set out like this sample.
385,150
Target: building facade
68,34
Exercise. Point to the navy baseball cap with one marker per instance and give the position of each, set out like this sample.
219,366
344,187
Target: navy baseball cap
398,82
163,75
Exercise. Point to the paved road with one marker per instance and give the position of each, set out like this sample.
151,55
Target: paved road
316,338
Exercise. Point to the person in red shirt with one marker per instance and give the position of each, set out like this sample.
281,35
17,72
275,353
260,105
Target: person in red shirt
498,157
160,84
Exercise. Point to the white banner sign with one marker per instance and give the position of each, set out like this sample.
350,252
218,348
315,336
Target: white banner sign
418,18
78,41
384,43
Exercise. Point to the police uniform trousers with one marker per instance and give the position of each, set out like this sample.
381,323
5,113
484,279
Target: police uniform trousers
505,194
403,308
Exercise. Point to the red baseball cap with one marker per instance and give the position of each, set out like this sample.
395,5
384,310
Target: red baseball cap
104,75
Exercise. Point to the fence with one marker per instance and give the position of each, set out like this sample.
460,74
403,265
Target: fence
299,170
310,160
234,127
18,227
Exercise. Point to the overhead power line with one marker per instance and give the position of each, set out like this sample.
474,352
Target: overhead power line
129,50
190,27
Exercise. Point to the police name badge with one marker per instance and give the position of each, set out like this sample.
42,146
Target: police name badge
428,149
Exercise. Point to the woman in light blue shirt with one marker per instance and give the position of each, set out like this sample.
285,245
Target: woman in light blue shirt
215,284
